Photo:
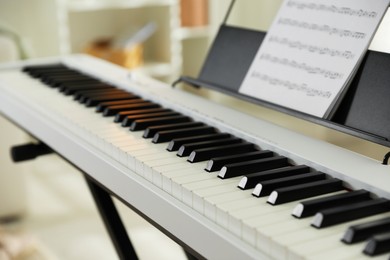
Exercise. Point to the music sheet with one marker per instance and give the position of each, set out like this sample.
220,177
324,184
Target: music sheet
311,52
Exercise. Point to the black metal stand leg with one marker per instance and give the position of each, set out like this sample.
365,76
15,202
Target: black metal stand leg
112,222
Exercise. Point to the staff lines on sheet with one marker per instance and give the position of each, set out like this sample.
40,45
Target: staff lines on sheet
302,66
312,48
333,9
322,28
301,87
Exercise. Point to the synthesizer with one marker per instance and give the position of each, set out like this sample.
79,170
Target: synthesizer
225,184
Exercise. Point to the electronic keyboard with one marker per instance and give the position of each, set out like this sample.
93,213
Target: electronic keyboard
223,183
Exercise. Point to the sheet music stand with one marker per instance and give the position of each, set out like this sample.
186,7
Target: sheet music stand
363,112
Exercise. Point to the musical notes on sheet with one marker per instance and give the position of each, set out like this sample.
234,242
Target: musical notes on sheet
324,28
323,50
311,52
302,66
332,8
301,87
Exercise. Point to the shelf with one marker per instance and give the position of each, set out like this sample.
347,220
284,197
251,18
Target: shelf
155,69
184,33
96,5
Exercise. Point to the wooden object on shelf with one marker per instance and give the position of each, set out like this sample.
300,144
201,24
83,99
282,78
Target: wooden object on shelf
194,13
128,58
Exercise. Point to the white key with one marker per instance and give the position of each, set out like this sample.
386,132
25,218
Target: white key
159,171
188,188
325,243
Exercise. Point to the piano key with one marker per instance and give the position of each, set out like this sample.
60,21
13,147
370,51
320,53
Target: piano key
80,93
93,101
129,119
83,95
260,225
215,164
266,187
311,207
77,90
302,191
340,214
160,162
75,80
165,133
212,204
224,150
186,149
58,79
353,252
142,124
198,196
112,110
253,220
47,77
151,131
251,180
176,143
189,187
359,233
122,115
104,105
378,244
309,243
163,175
34,70
190,177
241,168
168,135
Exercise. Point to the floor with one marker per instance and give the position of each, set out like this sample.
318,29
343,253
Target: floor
62,220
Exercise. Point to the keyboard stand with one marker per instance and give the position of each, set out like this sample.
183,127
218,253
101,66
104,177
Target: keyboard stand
101,196
112,220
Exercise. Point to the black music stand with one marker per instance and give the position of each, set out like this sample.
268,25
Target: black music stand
363,112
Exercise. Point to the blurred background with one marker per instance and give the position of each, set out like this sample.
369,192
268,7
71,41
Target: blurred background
46,211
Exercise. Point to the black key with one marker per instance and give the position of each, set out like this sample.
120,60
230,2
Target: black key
60,84
303,191
151,131
186,149
46,76
243,168
377,245
54,79
361,232
266,187
260,165
104,105
43,72
113,110
83,92
175,144
142,124
215,164
116,97
70,86
311,207
224,150
44,68
251,180
75,89
128,120
61,81
83,95
169,135
122,115
341,214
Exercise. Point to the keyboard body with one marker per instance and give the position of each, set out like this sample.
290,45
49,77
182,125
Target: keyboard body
83,137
